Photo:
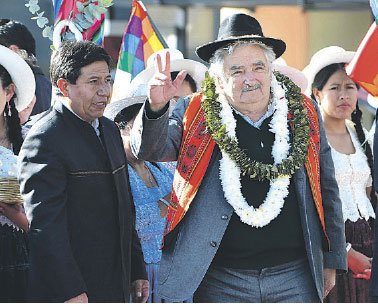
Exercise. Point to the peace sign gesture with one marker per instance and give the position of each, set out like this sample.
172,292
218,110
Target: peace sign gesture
161,88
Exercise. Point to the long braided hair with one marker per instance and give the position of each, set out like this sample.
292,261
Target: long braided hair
356,118
320,80
12,121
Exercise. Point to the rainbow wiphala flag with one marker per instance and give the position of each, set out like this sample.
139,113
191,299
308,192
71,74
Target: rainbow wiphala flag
140,41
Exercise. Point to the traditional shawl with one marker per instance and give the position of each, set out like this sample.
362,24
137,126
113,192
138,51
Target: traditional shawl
196,150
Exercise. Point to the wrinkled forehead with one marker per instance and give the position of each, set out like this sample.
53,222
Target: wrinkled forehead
245,55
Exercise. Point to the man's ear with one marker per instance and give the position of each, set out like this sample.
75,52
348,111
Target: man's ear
14,48
219,83
63,86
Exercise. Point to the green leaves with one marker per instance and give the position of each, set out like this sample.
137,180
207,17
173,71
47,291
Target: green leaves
106,3
80,6
33,6
41,21
82,22
47,32
88,12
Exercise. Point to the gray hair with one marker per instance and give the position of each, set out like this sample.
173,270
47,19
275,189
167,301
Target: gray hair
217,60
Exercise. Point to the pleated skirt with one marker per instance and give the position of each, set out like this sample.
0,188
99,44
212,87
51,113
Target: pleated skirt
13,264
347,288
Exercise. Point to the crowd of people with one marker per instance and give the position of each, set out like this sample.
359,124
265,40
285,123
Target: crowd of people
244,180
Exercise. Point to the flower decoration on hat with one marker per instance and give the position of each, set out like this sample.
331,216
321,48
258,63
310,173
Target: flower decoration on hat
73,20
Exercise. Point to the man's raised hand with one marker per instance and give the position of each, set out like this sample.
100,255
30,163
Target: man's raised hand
161,87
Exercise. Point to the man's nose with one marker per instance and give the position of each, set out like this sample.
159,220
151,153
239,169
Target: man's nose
249,76
104,89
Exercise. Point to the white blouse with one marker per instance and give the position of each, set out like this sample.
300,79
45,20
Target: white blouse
352,174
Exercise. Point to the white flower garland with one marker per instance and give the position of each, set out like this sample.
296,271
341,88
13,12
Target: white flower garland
230,173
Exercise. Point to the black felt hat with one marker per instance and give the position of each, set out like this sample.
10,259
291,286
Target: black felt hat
239,27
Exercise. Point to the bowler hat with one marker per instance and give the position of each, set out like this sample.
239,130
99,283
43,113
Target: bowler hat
137,94
239,27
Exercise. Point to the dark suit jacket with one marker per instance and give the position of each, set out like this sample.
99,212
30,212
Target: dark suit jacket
374,268
375,153
81,213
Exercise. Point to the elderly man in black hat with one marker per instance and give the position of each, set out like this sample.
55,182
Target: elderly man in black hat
255,214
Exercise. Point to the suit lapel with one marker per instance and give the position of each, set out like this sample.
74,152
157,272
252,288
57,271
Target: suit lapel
87,132
300,184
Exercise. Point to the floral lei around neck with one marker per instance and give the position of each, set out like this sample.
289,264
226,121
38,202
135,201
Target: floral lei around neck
298,121
221,122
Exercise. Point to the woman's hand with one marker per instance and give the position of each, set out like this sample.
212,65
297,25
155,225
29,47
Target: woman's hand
360,264
163,207
140,291
15,214
329,280
83,298
365,276
368,192
161,87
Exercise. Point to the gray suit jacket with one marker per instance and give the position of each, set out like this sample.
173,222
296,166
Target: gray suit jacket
189,248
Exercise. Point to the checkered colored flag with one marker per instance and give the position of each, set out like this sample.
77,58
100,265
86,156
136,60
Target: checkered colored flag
140,41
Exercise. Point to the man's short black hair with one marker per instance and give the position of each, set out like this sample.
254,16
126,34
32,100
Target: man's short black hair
67,61
14,32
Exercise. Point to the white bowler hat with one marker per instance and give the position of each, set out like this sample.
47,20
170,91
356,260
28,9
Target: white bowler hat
295,75
194,68
323,58
22,77
137,94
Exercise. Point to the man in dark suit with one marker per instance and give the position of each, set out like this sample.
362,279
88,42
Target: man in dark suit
74,181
